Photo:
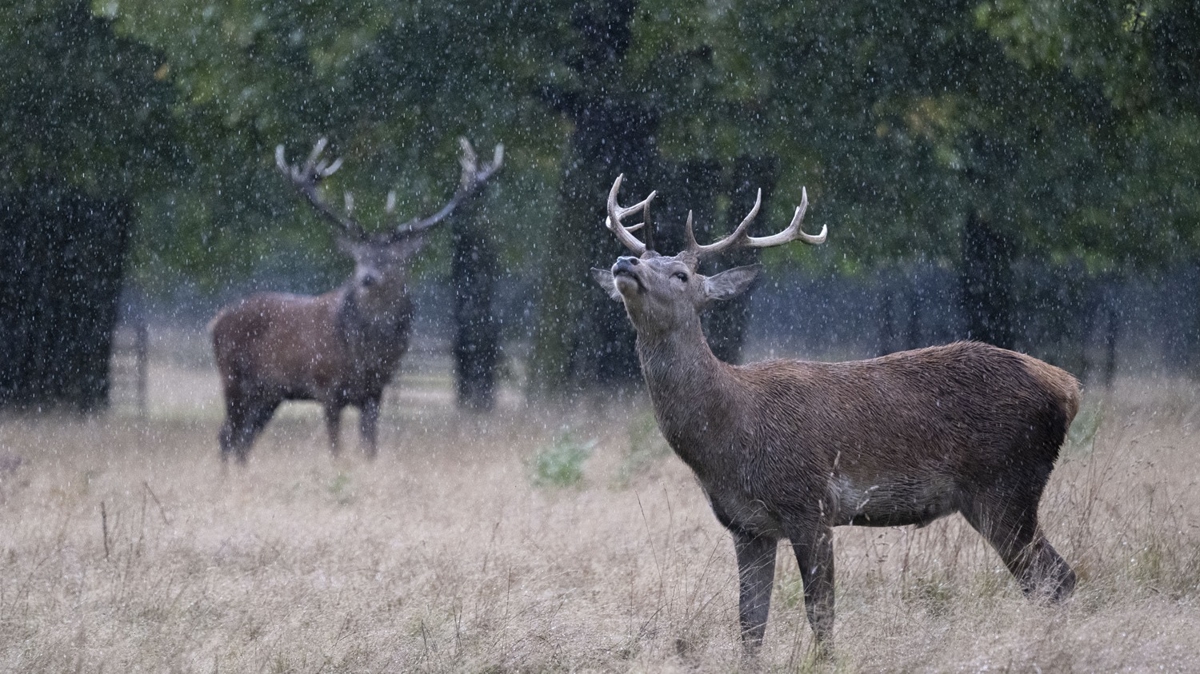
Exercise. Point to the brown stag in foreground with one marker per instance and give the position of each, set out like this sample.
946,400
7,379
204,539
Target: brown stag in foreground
341,348
790,449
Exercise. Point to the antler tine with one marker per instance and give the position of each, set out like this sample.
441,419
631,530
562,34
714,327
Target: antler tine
616,212
468,162
473,179
281,161
792,233
325,170
318,148
305,180
691,236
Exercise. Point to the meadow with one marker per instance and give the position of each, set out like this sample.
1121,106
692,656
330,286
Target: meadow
545,538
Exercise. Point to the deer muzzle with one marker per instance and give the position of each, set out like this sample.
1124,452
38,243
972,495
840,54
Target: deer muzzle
625,272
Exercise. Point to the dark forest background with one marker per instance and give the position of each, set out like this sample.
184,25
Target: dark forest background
1020,172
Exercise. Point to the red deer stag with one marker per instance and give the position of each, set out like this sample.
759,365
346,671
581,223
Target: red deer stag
790,449
339,348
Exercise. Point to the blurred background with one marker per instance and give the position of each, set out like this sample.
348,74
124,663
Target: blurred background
1018,172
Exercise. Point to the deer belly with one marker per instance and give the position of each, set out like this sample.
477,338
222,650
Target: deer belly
736,510
891,503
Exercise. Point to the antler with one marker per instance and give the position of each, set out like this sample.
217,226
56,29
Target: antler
306,178
739,238
473,179
616,212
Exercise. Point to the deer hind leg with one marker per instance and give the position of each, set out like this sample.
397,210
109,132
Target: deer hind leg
1008,520
814,555
225,437
368,424
245,418
756,575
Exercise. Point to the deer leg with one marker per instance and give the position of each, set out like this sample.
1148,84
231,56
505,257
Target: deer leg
244,419
333,425
1009,523
233,430
233,413
368,424
756,574
813,546
257,421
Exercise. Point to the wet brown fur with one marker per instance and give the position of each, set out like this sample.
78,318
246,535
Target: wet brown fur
272,347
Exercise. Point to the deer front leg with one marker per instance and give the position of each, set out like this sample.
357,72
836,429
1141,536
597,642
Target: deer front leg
333,424
368,423
756,574
813,546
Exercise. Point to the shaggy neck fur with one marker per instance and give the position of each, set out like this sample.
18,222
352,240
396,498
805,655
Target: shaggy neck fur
692,393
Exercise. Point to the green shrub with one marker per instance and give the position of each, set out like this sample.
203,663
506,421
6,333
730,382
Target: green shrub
1081,437
560,464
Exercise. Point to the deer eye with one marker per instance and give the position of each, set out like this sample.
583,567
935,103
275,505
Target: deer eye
681,275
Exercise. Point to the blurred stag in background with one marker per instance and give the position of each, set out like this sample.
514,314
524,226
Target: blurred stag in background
340,348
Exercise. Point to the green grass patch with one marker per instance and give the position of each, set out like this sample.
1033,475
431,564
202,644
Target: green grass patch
560,463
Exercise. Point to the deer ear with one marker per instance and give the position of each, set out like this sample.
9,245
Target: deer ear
604,278
730,283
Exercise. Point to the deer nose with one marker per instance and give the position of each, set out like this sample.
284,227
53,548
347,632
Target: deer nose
625,265
368,280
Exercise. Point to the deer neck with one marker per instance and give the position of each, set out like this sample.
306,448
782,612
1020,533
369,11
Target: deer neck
693,394
371,332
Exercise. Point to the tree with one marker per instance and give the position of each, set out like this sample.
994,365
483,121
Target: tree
927,138
85,130
474,271
580,337
1143,60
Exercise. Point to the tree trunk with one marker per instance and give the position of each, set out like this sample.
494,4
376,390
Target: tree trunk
986,282
582,337
473,273
62,257
887,311
725,323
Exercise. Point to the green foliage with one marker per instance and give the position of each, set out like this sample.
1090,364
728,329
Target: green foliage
1081,437
81,104
1071,124
560,464
1136,62
393,86
340,489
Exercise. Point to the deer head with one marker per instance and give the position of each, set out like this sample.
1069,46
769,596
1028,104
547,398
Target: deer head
663,293
380,259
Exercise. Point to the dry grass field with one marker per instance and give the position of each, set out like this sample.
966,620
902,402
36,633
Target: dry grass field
126,546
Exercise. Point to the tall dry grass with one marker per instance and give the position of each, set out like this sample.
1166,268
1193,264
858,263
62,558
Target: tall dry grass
126,546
